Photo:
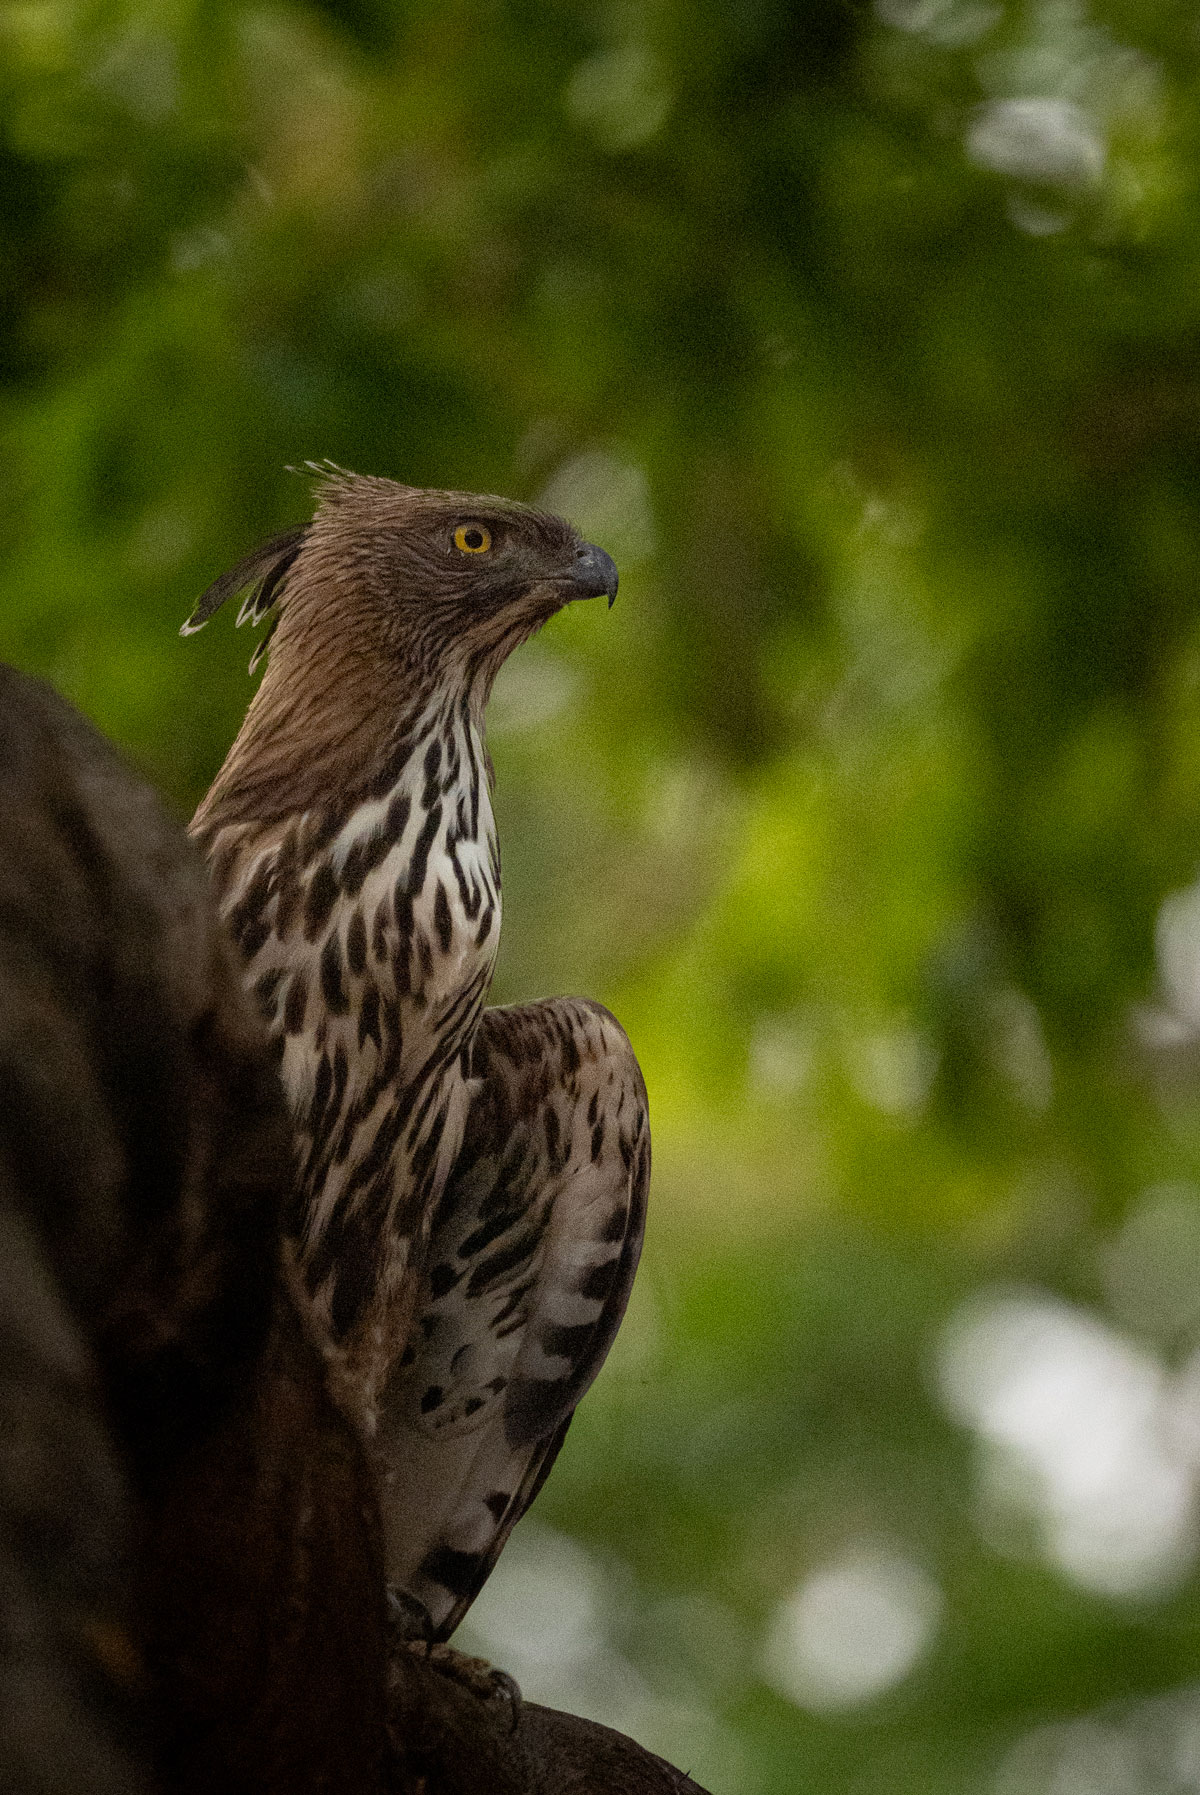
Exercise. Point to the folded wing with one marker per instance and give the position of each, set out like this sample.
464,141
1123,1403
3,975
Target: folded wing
532,1254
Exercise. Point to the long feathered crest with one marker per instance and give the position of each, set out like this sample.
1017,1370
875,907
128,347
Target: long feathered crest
259,576
325,469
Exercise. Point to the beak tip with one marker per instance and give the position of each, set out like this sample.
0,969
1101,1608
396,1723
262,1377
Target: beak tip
595,573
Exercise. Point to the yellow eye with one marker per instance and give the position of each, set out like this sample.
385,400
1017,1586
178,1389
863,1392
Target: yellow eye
473,539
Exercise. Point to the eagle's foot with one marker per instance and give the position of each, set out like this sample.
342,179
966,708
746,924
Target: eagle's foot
410,1627
482,1679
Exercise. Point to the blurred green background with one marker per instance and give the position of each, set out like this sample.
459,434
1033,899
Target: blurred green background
867,338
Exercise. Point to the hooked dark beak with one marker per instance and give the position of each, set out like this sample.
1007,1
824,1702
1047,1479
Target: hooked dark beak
594,573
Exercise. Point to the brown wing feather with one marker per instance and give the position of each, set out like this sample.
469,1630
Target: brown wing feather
531,1260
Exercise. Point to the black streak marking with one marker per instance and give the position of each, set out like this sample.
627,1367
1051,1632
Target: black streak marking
296,1004
397,817
441,918
253,936
616,1225
364,857
433,760
420,858
341,1072
567,1343
516,1298
319,900
598,1282
484,1236
332,988
368,1018
321,1090
459,1572
379,940
379,1152
443,1278
287,884
517,1252
356,942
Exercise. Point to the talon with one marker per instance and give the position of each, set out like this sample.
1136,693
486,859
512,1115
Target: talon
508,1689
505,1688
482,1679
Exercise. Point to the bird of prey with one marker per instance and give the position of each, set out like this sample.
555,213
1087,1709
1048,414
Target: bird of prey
472,1182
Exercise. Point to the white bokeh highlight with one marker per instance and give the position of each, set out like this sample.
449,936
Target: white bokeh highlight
892,1069
1083,1432
1177,945
851,1631
948,23
782,1056
623,96
1048,141
1147,1747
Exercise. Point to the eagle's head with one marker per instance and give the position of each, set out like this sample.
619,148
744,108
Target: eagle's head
441,584
392,599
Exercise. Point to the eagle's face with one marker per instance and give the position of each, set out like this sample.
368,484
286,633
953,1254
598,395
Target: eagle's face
445,580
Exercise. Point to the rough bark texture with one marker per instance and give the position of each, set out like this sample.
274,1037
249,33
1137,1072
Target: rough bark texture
188,1537
274,1679
191,1586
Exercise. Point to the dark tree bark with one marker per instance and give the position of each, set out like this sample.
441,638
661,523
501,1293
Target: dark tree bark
446,1741
187,1524
191,1584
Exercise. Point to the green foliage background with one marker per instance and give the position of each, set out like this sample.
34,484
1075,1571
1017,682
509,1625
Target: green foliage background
867,340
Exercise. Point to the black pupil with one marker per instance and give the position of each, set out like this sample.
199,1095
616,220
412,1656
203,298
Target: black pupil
473,538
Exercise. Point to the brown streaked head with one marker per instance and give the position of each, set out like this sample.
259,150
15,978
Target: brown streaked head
391,597
433,574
